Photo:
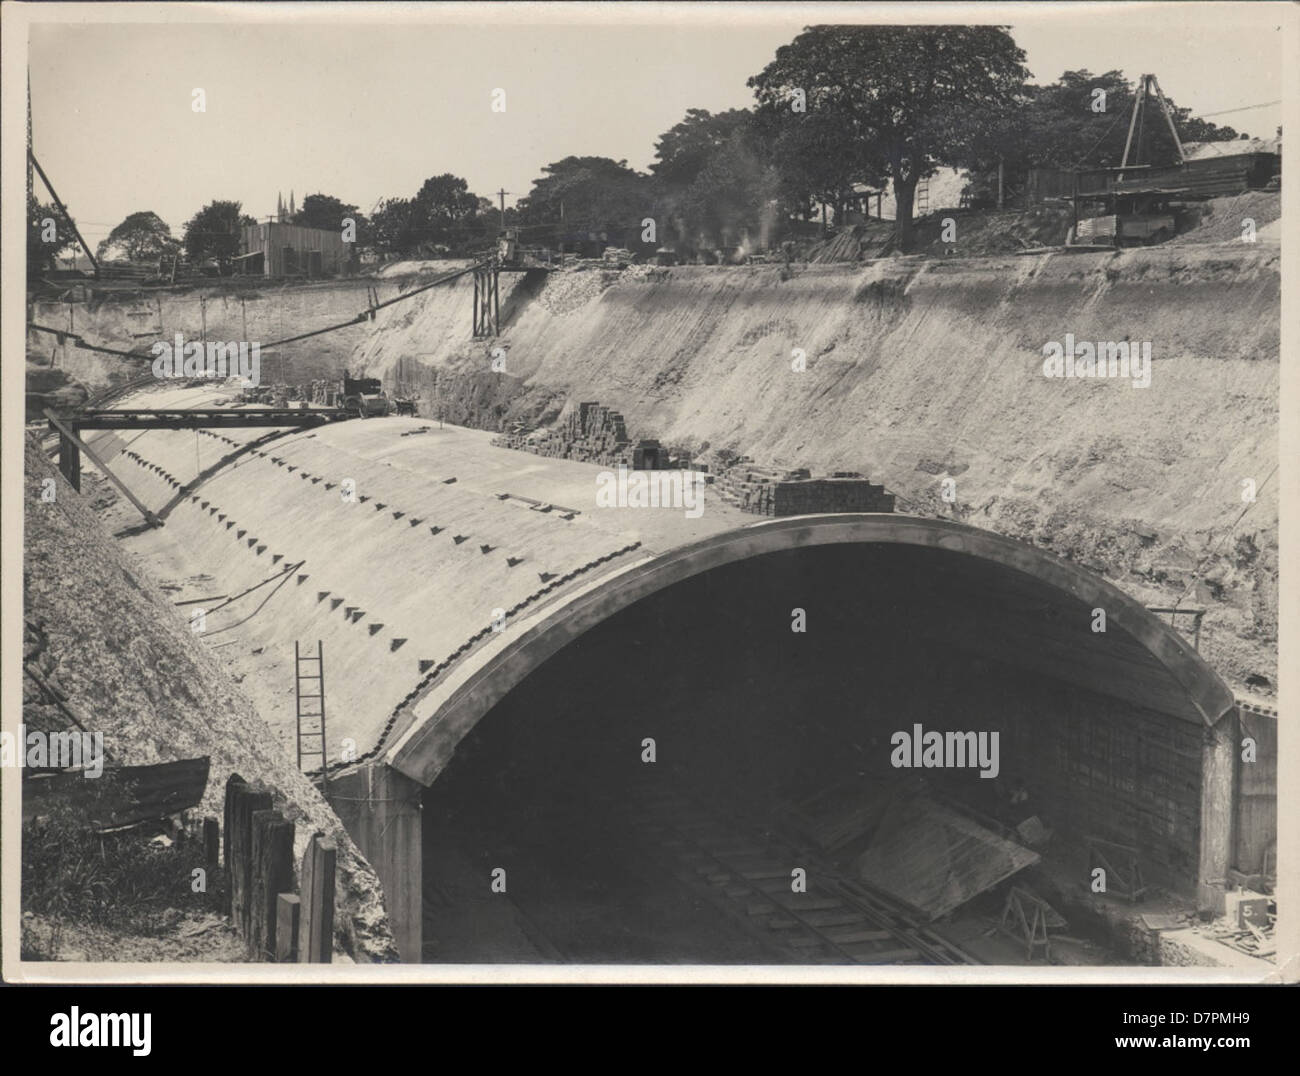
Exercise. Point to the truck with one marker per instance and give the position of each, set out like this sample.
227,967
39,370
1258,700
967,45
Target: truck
363,397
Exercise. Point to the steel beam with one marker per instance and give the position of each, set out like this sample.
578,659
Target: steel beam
66,432
201,418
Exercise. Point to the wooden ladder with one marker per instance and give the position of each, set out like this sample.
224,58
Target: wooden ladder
923,197
317,713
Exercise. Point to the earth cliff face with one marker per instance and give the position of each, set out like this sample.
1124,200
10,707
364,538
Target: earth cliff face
103,635
928,375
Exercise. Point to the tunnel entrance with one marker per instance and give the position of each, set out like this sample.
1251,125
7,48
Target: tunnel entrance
776,752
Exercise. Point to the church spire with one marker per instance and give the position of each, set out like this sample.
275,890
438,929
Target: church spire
292,211
279,207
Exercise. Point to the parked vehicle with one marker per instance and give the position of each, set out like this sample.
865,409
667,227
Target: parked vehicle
363,397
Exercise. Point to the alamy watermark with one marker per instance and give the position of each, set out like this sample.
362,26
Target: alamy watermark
60,750
1103,359
215,359
945,750
75,1028
651,489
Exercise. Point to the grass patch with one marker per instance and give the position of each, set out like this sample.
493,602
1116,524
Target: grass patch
121,881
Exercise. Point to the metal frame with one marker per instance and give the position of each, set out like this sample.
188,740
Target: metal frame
487,299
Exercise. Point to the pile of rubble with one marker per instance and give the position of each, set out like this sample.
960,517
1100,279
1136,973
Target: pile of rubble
1248,923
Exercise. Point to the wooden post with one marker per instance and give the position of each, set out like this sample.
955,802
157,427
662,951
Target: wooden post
70,461
233,784
66,432
260,823
247,802
316,927
1074,203
272,874
288,907
211,843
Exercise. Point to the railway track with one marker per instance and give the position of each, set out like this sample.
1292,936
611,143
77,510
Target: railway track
748,877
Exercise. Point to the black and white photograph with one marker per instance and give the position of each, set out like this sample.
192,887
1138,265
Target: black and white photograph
667,492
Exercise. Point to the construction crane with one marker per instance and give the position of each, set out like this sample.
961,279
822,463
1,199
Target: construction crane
1149,83
1135,212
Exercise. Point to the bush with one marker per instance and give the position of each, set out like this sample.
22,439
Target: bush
121,881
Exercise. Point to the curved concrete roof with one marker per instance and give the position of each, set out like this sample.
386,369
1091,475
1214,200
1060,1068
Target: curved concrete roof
1178,680
446,534
449,535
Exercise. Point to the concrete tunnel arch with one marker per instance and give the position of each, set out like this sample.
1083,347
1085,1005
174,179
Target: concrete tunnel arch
456,705
1195,699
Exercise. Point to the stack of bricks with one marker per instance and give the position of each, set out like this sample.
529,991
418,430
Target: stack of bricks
766,491
752,488
595,434
591,433
831,495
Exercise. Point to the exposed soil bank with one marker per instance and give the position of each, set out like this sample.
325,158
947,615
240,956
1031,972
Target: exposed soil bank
229,310
920,371
99,631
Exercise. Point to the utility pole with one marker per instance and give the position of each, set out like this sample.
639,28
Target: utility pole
502,195
30,188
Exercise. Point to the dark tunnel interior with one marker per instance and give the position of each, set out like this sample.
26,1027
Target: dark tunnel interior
753,723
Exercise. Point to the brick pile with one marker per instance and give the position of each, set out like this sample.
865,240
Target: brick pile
768,491
591,433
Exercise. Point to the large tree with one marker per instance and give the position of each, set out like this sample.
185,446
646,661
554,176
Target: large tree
213,232
907,98
444,210
391,226
735,199
141,236
1081,121
684,150
49,234
590,194
327,212
817,166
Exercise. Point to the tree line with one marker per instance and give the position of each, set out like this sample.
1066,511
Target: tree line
839,110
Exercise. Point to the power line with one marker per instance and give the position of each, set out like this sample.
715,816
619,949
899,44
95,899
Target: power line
363,316
1243,108
1118,117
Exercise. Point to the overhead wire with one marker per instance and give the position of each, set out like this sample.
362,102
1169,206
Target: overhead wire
363,316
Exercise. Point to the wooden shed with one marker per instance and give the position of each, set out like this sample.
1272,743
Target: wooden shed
276,250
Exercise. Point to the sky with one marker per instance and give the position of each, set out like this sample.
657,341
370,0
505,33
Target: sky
366,110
